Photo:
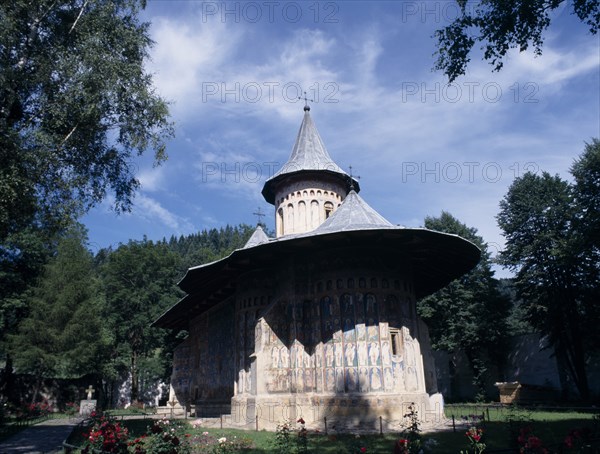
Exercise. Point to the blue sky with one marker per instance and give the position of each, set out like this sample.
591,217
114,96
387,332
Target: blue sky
233,73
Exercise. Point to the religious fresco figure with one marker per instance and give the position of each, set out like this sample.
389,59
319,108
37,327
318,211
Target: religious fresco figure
299,355
319,355
329,355
374,353
330,379
308,380
373,330
328,330
285,357
299,375
410,348
275,364
363,379
385,353
370,305
349,336
326,305
350,354
375,379
308,360
319,380
347,305
362,353
339,354
351,379
388,379
339,380
361,332
384,330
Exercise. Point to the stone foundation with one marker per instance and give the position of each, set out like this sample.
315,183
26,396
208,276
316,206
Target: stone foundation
339,413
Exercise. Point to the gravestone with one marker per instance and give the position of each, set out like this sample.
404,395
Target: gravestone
88,405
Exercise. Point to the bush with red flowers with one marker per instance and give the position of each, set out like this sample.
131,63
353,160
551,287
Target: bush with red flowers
105,435
475,437
529,443
163,437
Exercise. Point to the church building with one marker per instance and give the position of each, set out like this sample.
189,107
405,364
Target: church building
319,322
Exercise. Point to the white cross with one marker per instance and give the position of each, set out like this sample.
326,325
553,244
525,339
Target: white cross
90,391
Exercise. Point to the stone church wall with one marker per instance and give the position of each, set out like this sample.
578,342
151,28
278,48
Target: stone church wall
339,340
204,364
335,336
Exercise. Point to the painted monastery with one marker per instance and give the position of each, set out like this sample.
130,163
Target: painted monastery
319,322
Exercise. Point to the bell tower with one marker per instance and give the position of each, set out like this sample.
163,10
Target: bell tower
309,187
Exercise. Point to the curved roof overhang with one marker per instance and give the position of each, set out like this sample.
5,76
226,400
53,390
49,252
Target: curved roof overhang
435,258
271,185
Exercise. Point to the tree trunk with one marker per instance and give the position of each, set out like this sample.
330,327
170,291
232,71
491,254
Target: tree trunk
135,390
7,382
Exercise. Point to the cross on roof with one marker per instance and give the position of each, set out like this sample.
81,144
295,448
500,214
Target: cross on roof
352,177
259,214
306,106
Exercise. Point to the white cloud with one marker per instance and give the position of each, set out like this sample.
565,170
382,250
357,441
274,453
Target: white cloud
151,210
186,55
152,179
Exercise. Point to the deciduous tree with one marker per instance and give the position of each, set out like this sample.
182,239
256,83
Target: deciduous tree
139,281
470,313
545,246
499,26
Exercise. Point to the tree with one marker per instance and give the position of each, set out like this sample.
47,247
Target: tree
62,336
75,105
543,246
139,282
470,313
586,193
500,25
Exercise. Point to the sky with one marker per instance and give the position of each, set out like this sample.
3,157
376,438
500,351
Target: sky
233,73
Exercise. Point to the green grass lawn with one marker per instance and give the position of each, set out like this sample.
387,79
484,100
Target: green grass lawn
550,426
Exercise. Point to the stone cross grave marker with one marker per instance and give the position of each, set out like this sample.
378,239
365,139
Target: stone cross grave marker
90,391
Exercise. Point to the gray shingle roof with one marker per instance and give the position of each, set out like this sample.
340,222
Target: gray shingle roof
309,154
258,237
353,214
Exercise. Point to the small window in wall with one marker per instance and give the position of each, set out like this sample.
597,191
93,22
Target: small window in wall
396,337
328,209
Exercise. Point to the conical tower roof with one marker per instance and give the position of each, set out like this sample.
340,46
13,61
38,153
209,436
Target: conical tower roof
353,214
308,155
258,237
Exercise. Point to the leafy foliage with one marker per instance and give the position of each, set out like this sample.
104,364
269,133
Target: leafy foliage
501,25
76,105
551,245
63,334
470,313
139,283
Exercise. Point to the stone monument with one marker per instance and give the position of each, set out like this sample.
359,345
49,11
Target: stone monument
88,405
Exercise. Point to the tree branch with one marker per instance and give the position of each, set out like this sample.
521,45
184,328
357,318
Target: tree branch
78,16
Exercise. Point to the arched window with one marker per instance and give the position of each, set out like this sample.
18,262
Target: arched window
328,209
280,229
